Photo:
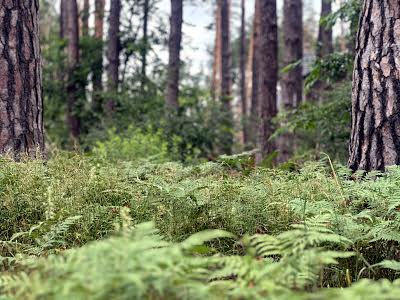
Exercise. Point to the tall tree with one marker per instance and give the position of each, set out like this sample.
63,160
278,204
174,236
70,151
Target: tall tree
63,18
216,75
97,68
72,36
292,80
21,103
267,86
145,40
325,39
375,135
175,39
226,80
85,17
242,67
255,73
113,50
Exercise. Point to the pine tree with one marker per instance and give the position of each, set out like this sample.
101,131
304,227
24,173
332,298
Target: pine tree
21,102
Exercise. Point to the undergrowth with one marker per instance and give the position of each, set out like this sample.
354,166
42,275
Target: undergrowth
77,227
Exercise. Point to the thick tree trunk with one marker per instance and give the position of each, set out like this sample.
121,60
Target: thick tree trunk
242,62
97,68
143,52
21,103
375,135
72,36
325,40
175,39
113,50
292,81
255,107
268,80
226,80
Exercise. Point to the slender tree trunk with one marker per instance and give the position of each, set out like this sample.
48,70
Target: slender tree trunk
292,81
226,80
255,107
97,68
325,40
143,52
72,36
242,63
216,76
113,50
268,80
175,38
21,103
63,18
375,135
85,17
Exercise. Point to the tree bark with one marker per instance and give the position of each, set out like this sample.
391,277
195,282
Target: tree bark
325,40
292,81
21,103
63,18
113,50
216,76
85,17
175,39
267,86
72,36
143,52
255,107
242,62
226,80
97,68
375,135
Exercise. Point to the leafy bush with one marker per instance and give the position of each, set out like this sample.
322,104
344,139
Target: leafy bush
134,145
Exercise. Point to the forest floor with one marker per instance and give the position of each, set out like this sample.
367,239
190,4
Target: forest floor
81,227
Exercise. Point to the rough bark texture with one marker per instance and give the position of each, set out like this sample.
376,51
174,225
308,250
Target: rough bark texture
255,107
175,39
216,76
21,106
375,136
268,77
143,52
113,50
97,68
72,36
292,81
325,40
242,62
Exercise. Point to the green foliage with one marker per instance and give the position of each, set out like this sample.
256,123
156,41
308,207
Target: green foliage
71,229
330,69
324,126
133,146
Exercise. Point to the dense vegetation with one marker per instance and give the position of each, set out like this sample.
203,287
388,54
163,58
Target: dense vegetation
127,188
74,227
